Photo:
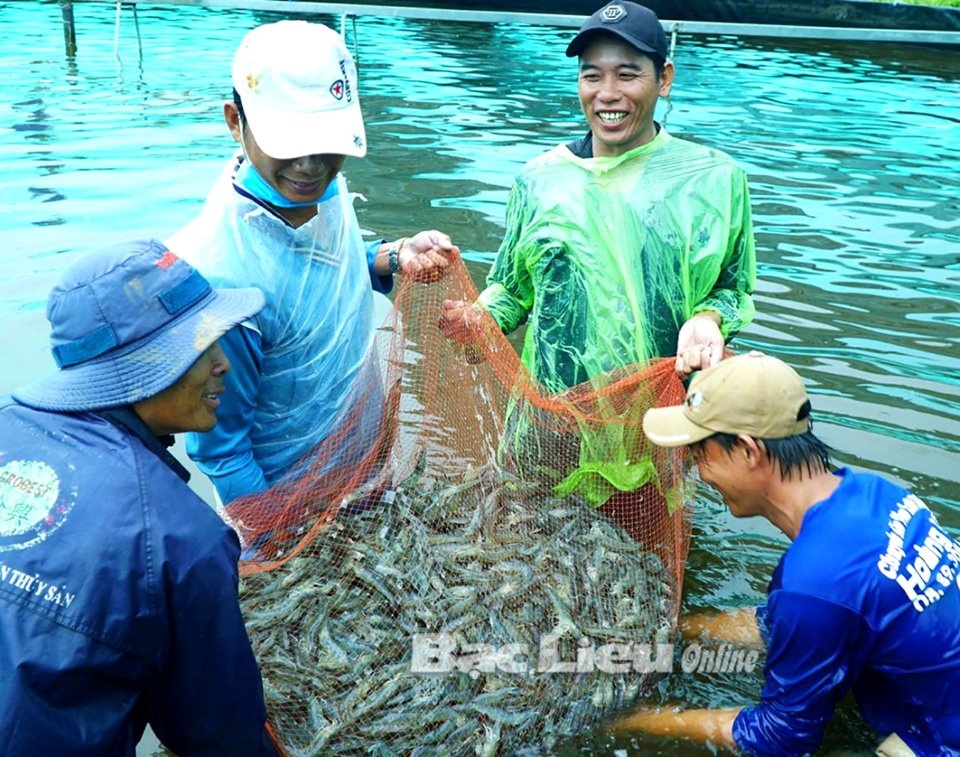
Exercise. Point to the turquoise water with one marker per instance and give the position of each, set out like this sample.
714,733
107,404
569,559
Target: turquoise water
851,151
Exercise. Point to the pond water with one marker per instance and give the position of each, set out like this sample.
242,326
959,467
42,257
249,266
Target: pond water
851,152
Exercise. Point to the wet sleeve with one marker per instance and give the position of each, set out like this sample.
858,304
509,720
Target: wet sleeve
761,611
731,296
813,659
382,284
225,453
208,699
509,293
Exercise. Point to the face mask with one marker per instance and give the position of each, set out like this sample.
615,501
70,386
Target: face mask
249,179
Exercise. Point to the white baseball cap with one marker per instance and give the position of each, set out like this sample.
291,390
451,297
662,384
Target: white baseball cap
298,86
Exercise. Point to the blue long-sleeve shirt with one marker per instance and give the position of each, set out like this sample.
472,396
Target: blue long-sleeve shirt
866,599
225,453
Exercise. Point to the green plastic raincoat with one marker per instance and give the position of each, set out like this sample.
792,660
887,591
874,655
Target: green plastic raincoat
608,257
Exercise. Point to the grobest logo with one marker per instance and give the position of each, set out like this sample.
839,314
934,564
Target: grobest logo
30,504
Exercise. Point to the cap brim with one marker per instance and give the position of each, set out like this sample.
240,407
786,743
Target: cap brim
293,134
670,427
144,369
578,43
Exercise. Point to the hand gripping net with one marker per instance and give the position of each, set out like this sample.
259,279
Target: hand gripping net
454,588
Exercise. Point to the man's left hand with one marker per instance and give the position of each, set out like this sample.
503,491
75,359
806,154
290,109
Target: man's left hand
426,255
700,343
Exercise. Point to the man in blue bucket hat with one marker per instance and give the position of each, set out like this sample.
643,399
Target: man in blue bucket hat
118,585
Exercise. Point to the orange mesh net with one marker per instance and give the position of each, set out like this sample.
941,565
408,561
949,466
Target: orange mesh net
456,586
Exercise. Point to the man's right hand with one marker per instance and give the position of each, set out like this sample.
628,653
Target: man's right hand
460,322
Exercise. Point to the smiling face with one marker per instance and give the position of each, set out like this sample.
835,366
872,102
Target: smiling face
619,88
191,403
302,179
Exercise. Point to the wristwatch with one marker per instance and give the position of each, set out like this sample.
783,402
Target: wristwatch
393,255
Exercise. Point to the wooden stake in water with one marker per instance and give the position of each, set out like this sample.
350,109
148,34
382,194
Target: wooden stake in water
69,30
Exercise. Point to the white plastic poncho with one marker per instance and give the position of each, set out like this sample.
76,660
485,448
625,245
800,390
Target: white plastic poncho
313,333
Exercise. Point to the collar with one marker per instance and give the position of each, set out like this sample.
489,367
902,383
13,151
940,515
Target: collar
126,419
253,198
583,147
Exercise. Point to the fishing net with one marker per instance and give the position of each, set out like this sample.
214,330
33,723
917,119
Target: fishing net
481,580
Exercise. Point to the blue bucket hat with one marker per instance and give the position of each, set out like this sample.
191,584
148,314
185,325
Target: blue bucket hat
127,322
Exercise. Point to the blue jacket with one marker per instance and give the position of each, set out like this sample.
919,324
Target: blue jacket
866,599
118,596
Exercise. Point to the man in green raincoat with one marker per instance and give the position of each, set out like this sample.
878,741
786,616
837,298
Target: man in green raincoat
621,246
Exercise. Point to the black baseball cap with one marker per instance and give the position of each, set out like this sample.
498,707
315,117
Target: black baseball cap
635,24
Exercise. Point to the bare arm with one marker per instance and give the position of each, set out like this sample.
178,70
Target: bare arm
705,726
735,627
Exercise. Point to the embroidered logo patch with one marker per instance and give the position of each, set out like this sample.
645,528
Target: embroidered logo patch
336,89
30,505
166,261
613,13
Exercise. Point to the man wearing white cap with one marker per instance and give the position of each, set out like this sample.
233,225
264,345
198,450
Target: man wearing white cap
118,585
866,598
281,218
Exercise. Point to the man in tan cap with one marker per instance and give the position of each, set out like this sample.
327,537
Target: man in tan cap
866,598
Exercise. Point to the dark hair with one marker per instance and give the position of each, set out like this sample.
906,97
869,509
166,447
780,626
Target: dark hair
239,104
658,64
791,453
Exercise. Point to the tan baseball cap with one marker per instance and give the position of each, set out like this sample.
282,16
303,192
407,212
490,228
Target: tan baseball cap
752,394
